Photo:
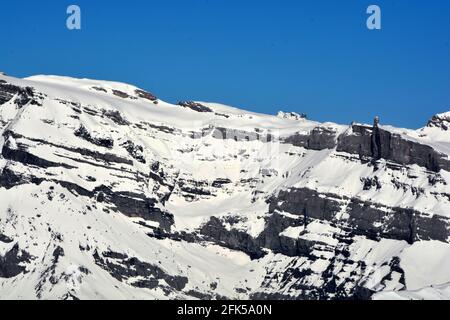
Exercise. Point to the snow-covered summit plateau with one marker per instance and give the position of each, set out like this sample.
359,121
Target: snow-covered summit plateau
107,192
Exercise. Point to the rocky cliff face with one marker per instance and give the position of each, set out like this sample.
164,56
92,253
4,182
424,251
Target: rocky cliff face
373,143
108,192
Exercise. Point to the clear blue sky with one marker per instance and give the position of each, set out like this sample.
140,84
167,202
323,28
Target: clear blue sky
314,56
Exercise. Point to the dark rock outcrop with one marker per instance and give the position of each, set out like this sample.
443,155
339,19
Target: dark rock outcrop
25,157
121,94
270,238
145,95
195,106
9,179
107,158
116,117
136,206
13,262
441,121
83,133
24,95
130,204
319,138
219,183
122,267
100,89
373,143
234,239
135,151
366,218
5,239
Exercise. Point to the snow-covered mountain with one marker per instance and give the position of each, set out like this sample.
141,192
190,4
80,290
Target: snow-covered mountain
107,192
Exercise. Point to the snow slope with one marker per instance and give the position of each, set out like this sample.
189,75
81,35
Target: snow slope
107,192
